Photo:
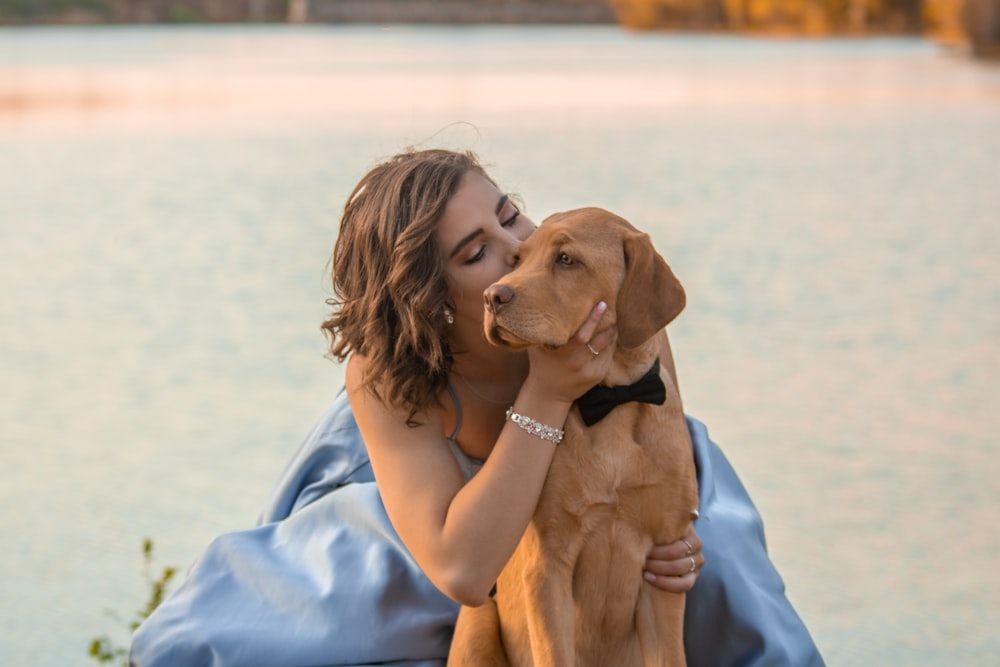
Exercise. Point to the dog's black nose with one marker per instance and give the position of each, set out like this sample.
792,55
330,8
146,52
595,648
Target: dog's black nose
497,296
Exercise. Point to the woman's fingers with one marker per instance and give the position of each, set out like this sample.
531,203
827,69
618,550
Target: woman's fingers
686,546
585,336
672,584
674,567
586,331
603,340
677,567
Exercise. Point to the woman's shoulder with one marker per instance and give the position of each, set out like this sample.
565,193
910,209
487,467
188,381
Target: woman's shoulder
386,427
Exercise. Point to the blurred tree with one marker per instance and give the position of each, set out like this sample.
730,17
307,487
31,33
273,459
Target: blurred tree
62,11
955,21
298,11
981,19
798,16
942,19
173,11
976,22
645,14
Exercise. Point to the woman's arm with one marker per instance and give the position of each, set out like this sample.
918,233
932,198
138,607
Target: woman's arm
462,534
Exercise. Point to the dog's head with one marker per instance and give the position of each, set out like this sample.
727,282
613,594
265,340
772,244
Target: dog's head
574,260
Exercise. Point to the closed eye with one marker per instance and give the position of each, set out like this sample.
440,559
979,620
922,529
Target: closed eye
478,256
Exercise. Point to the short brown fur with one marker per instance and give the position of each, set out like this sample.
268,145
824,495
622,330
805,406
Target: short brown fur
573,593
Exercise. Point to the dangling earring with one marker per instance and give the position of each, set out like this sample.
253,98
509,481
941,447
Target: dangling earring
448,316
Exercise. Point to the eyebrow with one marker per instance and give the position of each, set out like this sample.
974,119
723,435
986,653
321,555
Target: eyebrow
468,237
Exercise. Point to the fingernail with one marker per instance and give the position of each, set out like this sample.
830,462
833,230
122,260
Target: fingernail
602,306
649,576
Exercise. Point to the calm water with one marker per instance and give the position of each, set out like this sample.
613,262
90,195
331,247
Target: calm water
168,201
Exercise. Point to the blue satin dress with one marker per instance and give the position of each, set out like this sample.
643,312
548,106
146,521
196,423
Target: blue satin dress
323,579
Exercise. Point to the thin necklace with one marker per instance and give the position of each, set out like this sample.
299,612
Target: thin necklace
485,398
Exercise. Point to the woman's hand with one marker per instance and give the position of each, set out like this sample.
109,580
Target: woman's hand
674,567
567,372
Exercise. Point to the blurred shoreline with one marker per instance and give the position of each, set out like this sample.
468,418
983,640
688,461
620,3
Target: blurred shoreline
973,25
70,77
339,12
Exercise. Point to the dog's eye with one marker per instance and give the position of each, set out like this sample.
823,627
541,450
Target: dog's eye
564,259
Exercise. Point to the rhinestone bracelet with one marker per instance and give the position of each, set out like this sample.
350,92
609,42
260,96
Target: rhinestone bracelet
536,429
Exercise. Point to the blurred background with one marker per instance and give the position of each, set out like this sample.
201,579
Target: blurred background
975,23
823,176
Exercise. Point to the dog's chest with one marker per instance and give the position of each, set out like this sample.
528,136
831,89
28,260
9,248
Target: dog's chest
613,468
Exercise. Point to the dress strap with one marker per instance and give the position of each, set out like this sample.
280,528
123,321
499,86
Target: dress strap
469,466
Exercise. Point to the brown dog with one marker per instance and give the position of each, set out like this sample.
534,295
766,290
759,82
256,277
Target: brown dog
573,592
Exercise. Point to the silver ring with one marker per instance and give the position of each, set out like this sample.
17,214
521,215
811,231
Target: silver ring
692,565
688,545
592,350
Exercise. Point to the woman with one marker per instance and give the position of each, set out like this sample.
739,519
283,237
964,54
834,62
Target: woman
326,578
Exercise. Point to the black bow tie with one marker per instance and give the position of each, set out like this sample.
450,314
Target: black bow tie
600,400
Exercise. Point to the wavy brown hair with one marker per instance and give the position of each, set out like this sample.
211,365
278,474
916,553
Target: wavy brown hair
389,284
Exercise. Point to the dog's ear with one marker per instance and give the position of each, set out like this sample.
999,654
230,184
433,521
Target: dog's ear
650,297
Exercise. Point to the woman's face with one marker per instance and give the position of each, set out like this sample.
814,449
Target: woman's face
478,234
